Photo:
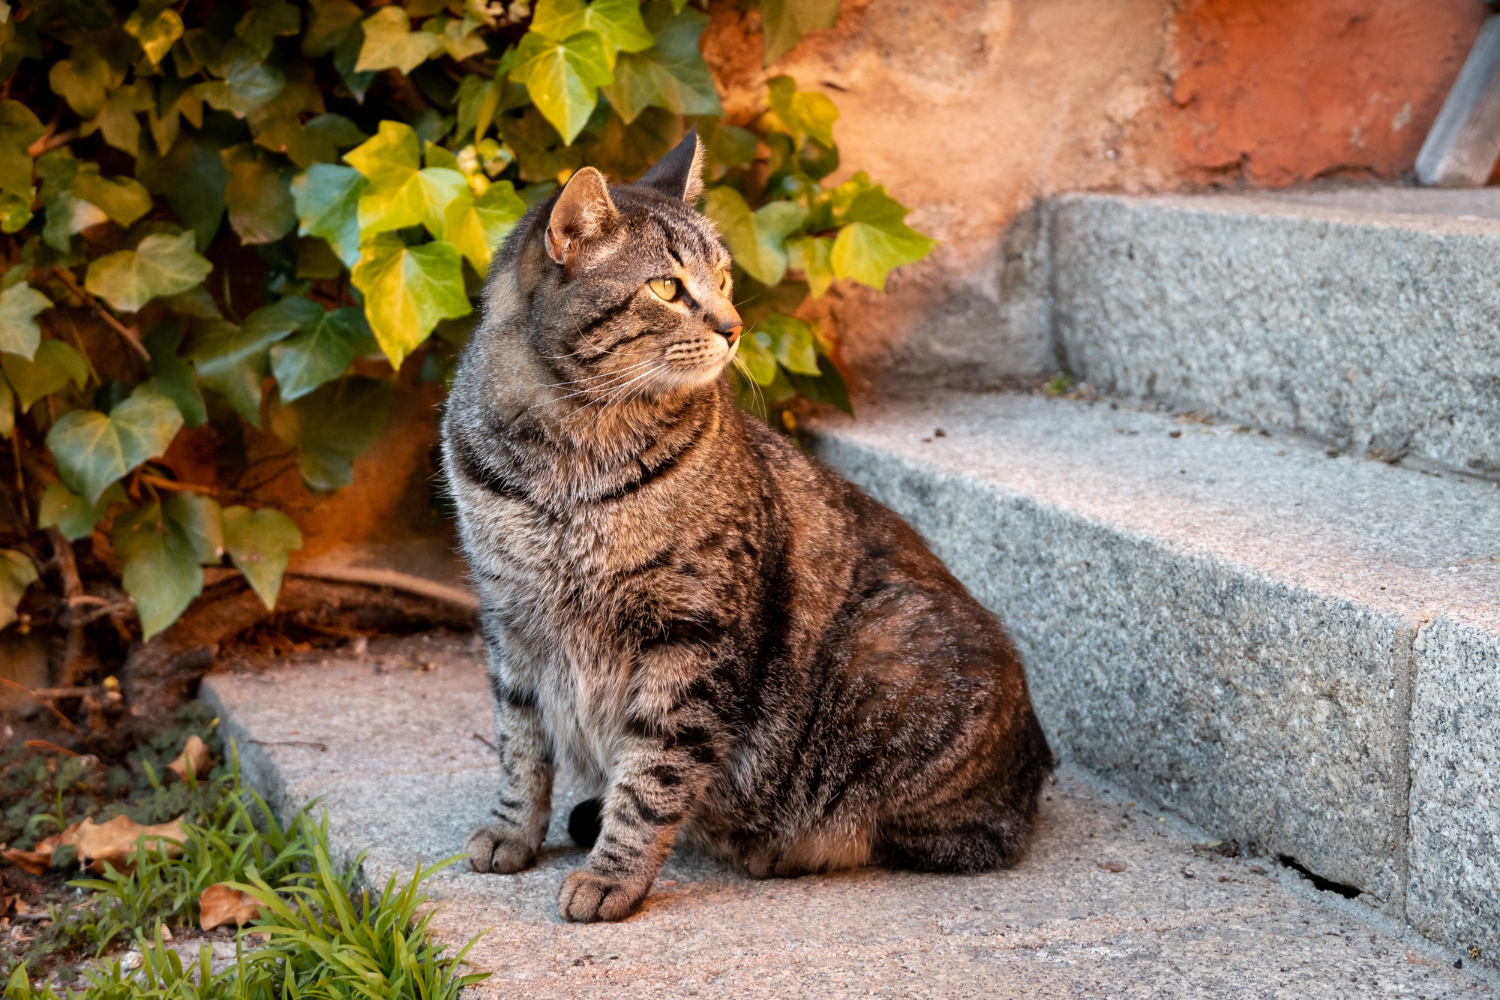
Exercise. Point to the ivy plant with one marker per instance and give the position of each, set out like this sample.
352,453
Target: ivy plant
251,215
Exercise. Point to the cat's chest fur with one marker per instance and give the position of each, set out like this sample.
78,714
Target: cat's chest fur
565,586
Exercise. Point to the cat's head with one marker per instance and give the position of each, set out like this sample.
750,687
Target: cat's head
627,289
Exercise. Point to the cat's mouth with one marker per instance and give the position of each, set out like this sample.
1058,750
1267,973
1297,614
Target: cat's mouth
699,363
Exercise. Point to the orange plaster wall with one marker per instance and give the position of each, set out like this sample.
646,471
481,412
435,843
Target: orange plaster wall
1279,92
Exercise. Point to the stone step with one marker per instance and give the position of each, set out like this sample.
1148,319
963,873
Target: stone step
1299,653
1367,317
1113,899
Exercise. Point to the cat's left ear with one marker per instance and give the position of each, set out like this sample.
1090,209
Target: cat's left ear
679,174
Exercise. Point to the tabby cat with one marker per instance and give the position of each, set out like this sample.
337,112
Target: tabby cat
729,643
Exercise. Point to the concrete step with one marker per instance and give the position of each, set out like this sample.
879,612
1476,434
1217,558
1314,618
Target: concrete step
1298,653
1114,898
1367,317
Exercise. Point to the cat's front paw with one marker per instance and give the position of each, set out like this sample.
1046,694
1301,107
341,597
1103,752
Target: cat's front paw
588,896
498,850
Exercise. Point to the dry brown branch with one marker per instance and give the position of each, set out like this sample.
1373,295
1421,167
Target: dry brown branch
131,334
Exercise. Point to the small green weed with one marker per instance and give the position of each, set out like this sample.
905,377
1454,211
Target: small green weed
1058,384
325,945
325,942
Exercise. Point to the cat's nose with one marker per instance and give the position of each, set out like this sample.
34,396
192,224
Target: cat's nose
730,333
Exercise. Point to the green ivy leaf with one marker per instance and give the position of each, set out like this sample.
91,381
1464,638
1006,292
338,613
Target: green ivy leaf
123,199
117,119
757,239
234,360
391,44
265,21
801,114
159,265
811,255
327,200
83,81
16,574
477,102
19,128
71,514
828,387
332,22
401,193
52,367
332,426
875,239
158,35
786,21
459,36
19,332
476,226
93,450
617,22
625,151
248,83
756,356
540,152
162,574
792,343
15,212
259,196
202,521
321,352
172,375
563,77
259,543
408,289
671,74
192,177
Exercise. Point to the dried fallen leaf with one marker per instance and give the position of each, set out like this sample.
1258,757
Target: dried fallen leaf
35,862
1111,866
219,904
115,841
194,758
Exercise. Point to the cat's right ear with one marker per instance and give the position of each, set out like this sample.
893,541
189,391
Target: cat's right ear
583,213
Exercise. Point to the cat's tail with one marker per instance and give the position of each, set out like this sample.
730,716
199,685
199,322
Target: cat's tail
584,823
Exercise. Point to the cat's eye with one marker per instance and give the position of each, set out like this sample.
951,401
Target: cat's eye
665,288
724,282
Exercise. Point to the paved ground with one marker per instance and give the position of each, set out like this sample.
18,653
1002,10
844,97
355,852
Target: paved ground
1111,902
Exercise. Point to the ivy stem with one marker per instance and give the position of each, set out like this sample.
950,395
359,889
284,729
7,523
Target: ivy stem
173,485
15,444
131,335
49,142
67,568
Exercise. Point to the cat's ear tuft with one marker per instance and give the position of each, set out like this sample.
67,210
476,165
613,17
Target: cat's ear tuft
679,174
584,212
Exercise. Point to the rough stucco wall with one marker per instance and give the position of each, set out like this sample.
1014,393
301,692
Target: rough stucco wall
972,111
1278,93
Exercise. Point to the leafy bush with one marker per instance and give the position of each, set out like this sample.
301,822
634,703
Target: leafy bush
367,162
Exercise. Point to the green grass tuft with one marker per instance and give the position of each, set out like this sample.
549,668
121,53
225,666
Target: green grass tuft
327,941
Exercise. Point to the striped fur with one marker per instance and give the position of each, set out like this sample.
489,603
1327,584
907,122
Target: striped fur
729,643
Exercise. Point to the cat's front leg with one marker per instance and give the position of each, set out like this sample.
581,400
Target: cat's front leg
665,763
523,805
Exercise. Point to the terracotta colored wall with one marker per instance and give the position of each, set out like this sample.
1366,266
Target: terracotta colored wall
1281,92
